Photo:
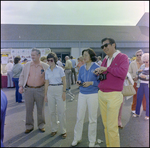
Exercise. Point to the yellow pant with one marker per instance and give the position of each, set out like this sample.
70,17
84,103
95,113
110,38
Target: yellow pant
110,103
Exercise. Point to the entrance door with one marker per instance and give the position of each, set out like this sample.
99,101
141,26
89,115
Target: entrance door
62,56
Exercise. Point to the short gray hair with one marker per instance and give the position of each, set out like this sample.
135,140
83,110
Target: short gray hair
145,57
37,50
140,50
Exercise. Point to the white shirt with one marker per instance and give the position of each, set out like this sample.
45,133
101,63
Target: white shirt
9,67
59,63
54,76
110,60
99,62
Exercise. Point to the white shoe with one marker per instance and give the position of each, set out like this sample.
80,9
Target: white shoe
133,111
92,144
74,143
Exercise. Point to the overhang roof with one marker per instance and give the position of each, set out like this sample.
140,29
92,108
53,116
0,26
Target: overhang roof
10,32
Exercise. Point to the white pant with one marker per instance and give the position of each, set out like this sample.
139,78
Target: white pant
84,100
54,96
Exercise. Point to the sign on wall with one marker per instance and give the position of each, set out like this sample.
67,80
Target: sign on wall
4,58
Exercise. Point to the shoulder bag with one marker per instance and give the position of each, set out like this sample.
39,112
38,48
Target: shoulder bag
128,90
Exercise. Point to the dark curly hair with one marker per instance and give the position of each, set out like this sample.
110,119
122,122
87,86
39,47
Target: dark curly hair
16,60
91,53
52,55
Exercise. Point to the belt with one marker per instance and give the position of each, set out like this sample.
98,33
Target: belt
55,84
34,86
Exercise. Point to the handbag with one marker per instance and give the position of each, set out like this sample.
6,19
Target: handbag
128,90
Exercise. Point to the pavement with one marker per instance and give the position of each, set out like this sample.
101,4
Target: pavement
134,134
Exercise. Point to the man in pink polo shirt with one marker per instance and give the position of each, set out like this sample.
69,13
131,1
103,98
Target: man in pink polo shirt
114,69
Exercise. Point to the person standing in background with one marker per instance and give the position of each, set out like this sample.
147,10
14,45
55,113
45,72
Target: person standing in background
43,59
8,68
133,68
143,86
73,70
16,70
80,62
99,60
3,114
59,63
68,67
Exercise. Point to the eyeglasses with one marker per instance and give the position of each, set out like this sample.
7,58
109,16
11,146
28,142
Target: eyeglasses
105,45
145,61
138,55
50,60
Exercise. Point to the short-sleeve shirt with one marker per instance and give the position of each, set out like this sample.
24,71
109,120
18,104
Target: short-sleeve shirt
54,76
73,63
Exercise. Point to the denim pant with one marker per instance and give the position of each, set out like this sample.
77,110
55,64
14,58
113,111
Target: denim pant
143,89
18,95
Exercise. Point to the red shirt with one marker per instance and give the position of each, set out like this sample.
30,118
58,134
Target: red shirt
116,75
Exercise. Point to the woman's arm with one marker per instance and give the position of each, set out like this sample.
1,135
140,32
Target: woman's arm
46,88
64,88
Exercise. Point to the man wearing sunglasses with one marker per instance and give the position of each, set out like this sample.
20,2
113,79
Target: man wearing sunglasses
133,68
32,81
115,66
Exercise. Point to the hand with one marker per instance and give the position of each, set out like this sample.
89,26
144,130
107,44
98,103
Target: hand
97,71
140,70
86,84
102,69
135,79
45,98
78,82
143,76
64,96
20,89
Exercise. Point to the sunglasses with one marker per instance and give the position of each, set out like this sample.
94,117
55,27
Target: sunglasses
105,45
145,61
50,60
139,55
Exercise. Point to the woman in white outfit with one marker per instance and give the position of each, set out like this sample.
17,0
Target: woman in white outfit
55,94
88,97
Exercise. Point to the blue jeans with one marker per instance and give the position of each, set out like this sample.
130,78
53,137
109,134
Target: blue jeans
143,89
18,95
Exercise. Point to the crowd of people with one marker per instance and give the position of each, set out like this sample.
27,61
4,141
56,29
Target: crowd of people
46,79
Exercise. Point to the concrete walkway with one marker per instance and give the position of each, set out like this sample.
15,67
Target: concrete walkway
134,134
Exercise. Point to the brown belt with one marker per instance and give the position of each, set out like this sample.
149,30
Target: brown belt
34,86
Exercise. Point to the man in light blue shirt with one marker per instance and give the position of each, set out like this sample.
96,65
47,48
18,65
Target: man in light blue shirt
73,70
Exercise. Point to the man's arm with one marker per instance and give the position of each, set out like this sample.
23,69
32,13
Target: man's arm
122,68
21,81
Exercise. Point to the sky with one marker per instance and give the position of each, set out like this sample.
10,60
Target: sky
120,13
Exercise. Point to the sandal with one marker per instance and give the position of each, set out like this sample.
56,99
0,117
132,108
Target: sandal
120,126
64,135
146,118
135,115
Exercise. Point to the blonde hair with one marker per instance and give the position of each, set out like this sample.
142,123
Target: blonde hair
43,58
81,58
145,57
